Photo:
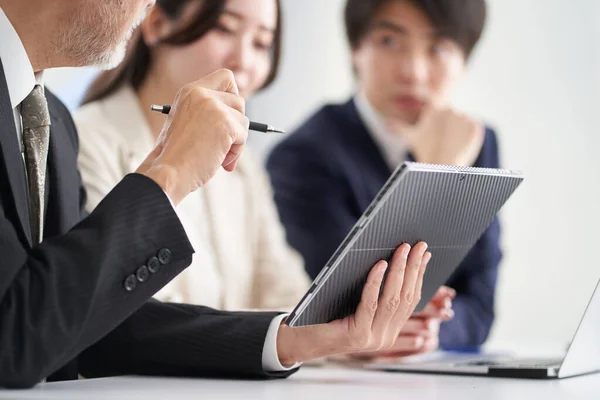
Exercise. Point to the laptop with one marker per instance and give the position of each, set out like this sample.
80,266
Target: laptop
582,356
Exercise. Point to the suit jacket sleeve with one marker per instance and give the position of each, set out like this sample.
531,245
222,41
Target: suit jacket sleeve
169,339
68,292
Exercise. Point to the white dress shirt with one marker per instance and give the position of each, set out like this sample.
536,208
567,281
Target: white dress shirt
18,71
390,144
21,80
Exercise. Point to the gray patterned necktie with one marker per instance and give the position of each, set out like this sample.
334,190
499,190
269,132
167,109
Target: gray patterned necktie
36,137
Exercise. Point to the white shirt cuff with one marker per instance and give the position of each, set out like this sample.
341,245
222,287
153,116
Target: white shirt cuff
270,358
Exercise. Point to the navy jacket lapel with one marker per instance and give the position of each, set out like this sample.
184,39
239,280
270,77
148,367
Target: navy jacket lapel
12,161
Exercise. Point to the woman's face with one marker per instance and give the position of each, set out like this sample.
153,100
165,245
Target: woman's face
241,41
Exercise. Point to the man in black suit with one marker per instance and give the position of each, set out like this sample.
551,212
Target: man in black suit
75,289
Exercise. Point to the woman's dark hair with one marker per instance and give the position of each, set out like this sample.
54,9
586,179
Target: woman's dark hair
459,20
134,69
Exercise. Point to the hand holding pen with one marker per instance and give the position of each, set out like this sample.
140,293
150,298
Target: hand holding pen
205,129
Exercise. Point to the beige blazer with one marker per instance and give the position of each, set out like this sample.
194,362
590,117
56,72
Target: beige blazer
242,259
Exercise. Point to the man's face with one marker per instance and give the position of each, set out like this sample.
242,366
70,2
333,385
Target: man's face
403,64
97,31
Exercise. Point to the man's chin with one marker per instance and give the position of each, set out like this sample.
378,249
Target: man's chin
114,58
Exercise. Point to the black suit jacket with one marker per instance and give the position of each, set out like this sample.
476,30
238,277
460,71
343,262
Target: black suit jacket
327,173
78,303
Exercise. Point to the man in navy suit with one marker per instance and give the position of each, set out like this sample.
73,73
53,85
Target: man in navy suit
406,54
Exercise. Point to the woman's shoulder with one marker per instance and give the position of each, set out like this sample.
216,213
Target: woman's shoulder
115,116
94,122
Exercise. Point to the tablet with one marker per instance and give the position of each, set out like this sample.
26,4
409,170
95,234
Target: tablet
446,206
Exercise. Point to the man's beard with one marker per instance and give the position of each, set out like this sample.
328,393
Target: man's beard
88,43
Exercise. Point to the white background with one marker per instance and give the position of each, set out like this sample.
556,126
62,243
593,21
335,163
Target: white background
535,77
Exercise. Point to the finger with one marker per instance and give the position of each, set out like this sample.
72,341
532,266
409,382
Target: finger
411,346
239,134
365,312
390,298
407,343
231,100
222,80
432,312
446,291
238,138
411,299
232,157
231,166
421,326
404,346
425,258
413,279
414,326
439,305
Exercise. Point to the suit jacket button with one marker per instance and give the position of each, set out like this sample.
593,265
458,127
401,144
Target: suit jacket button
142,274
153,265
164,256
130,283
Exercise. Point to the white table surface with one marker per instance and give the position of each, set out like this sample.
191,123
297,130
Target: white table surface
332,383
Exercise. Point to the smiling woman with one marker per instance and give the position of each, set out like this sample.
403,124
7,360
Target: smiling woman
242,259
206,25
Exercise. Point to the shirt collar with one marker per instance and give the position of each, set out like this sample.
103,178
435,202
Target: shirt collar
17,67
390,145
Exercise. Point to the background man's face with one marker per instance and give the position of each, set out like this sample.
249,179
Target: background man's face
404,64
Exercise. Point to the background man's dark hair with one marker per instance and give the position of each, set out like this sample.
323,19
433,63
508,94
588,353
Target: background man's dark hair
459,20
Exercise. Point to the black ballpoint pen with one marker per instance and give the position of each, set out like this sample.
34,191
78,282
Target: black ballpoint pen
254,126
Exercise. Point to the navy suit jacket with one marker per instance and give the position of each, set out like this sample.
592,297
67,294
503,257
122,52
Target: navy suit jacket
324,177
